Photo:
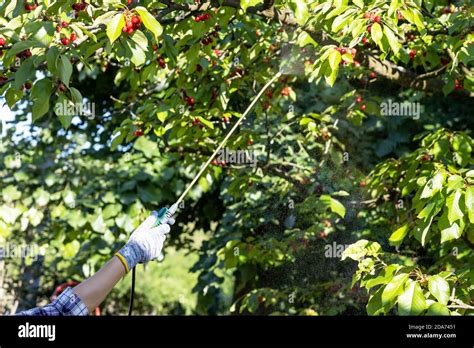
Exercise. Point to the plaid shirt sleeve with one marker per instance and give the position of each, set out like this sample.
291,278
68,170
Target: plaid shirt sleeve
67,304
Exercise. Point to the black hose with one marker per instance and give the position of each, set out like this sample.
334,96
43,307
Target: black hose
132,293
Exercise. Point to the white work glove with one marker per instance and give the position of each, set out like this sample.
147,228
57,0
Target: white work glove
145,243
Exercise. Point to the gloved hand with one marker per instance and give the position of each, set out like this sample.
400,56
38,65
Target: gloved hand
145,243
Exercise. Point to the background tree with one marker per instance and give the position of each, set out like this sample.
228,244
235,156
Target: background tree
169,78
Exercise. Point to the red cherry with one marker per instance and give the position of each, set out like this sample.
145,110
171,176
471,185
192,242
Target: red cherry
2,41
190,101
367,15
64,24
342,50
28,7
138,133
129,2
426,157
3,80
27,85
373,75
214,162
62,87
377,19
362,184
365,40
129,25
65,41
363,107
130,31
369,28
285,91
197,19
359,100
73,37
136,20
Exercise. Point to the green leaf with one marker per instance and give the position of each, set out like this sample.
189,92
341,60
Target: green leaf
115,26
52,58
71,249
338,23
334,205
146,146
469,201
138,45
35,216
305,39
334,59
438,309
411,301
301,11
463,149
418,20
439,288
422,229
383,277
75,95
448,232
397,237
98,224
150,22
12,96
9,214
359,3
377,33
11,193
245,4
434,185
360,249
374,305
394,4
24,73
205,122
452,202
40,94
330,75
64,69
394,288
392,39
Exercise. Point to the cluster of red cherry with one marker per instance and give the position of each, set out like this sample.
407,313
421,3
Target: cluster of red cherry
131,25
